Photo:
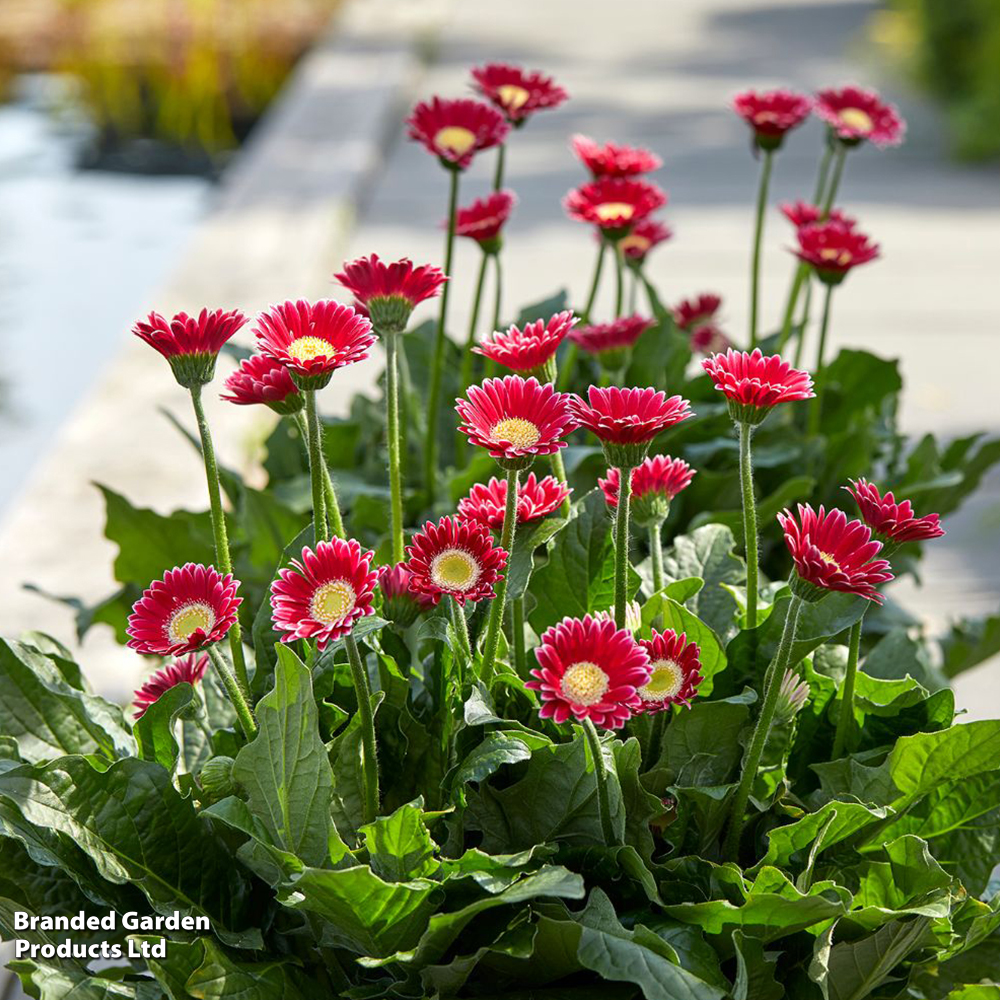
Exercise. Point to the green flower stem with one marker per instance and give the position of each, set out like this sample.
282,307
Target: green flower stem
222,555
656,737
461,627
469,360
501,162
758,234
838,173
236,695
369,765
320,530
569,364
498,291
329,493
517,627
804,322
749,521
559,471
621,545
395,473
656,551
751,760
497,605
603,800
822,173
846,720
437,367
619,278
633,291
817,404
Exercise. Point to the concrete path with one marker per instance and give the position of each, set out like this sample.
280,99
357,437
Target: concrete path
641,71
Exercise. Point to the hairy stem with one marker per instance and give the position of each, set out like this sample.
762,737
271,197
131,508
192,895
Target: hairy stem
395,473
569,363
236,695
817,404
369,764
656,551
846,720
601,776
762,190
501,163
469,359
320,530
517,627
621,545
619,278
498,602
497,291
749,521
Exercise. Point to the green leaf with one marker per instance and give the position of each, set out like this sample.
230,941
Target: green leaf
496,749
640,806
969,643
154,730
754,970
987,992
400,846
219,977
50,982
527,540
707,552
285,769
47,716
712,656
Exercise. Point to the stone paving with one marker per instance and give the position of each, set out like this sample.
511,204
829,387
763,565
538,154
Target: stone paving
329,177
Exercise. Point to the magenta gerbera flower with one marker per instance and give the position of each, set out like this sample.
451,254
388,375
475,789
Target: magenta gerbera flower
454,131
400,604
697,311
613,160
754,384
855,114
655,482
588,668
772,113
832,553
801,213
627,420
325,592
191,344
192,607
833,249
313,340
612,342
892,522
262,380
709,339
531,348
675,671
643,237
536,498
484,219
614,204
389,292
517,92
515,419
186,670
454,558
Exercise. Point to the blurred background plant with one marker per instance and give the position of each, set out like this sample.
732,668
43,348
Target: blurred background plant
952,48
168,85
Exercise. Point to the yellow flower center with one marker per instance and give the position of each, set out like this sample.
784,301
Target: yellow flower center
584,683
634,242
307,348
841,257
459,140
512,96
519,432
614,210
454,569
665,681
332,602
188,619
857,119
829,560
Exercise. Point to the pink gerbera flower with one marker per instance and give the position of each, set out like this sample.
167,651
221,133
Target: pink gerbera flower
643,237
709,339
697,311
832,553
454,558
536,498
192,607
627,420
531,348
186,670
675,671
612,160
655,482
892,522
754,384
313,340
772,113
833,249
612,342
454,131
588,668
515,419
325,592
517,92
614,204
400,604
190,344
855,114
801,213
483,220
390,292
260,379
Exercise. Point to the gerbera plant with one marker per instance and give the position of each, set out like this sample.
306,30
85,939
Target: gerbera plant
469,736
